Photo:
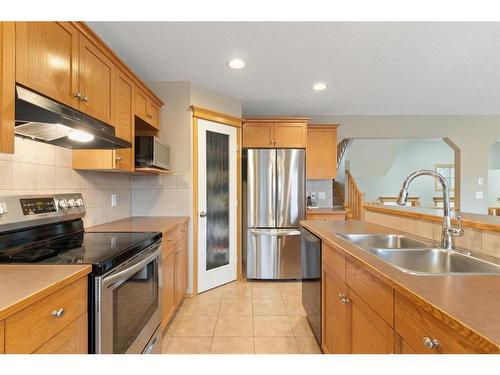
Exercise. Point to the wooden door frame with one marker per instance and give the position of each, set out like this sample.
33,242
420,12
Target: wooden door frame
206,114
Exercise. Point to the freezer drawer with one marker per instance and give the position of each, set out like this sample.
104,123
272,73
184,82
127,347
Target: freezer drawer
273,254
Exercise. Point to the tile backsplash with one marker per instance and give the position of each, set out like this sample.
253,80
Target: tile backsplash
169,195
39,168
321,186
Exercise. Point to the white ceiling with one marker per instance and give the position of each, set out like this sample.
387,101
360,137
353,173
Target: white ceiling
371,68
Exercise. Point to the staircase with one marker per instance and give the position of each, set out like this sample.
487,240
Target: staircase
355,199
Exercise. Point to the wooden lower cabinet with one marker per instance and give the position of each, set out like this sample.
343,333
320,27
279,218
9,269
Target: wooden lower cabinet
181,271
335,324
71,340
2,337
56,324
168,288
370,334
174,270
402,347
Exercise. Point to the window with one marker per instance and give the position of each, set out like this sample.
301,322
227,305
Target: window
448,172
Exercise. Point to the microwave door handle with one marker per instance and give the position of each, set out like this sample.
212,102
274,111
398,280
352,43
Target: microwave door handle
110,280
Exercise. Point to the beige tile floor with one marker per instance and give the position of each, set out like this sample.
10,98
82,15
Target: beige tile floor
242,318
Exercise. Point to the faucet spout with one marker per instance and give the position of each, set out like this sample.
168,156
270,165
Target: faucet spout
449,232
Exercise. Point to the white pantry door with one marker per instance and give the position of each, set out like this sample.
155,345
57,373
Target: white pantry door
217,204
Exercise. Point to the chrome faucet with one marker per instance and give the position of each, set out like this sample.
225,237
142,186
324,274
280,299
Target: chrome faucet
449,232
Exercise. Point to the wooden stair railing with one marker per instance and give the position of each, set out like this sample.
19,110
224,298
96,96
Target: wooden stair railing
355,199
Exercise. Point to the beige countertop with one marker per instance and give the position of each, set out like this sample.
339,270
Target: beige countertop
471,300
469,220
23,284
141,224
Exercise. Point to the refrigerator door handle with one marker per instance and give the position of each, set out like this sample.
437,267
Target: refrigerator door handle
275,232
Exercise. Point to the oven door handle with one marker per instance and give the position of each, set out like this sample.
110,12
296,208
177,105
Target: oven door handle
140,262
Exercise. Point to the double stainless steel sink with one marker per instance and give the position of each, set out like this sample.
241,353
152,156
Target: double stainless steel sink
414,256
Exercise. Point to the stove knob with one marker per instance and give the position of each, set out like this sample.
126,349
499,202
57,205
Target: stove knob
71,203
63,204
79,202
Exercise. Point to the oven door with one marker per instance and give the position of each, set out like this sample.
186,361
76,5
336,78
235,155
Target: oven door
128,305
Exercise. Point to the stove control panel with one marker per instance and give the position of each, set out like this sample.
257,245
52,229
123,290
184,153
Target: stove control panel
35,206
25,211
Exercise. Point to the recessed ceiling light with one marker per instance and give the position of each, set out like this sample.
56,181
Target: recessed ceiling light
320,86
236,64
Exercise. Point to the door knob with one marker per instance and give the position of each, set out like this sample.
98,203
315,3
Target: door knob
203,214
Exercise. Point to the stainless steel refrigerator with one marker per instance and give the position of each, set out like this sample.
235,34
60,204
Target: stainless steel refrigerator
273,205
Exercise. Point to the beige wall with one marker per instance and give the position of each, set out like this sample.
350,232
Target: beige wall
39,168
173,195
473,134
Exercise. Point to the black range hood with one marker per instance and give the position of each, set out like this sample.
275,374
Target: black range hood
45,120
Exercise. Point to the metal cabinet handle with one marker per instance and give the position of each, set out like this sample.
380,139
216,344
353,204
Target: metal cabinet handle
203,214
85,98
118,158
58,313
430,343
169,238
344,299
78,95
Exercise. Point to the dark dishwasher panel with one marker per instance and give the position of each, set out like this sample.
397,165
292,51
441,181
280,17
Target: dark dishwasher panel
311,284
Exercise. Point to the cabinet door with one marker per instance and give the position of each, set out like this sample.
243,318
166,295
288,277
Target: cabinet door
321,153
168,286
124,120
292,135
7,85
2,337
370,334
258,135
71,340
47,59
96,82
141,104
335,323
180,271
154,114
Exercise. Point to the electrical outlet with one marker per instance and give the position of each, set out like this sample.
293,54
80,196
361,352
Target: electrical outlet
321,195
480,181
479,195
113,200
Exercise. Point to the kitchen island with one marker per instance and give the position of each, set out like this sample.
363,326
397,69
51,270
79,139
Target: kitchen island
370,306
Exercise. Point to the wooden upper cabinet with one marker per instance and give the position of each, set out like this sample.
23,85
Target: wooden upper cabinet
125,158
290,135
2,337
321,152
97,82
47,59
275,133
141,104
7,85
121,159
256,135
146,109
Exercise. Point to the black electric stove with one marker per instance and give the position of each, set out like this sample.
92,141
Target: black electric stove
67,243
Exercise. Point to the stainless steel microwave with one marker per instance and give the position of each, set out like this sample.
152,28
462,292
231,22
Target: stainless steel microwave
150,152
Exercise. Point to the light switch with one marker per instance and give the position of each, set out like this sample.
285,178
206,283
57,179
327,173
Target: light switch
479,195
321,195
113,200
480,181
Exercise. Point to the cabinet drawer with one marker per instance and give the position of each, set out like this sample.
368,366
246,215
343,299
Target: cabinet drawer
378,295
170,239
415,325
71,340
332,258
2,337
33,326
182,231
